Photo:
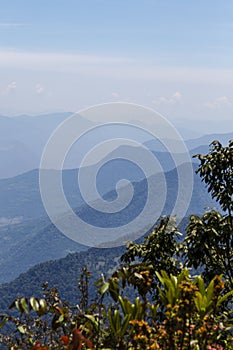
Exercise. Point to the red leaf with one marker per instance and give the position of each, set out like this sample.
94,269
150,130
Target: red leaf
65,339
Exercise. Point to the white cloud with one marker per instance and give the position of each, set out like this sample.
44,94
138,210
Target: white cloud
111,67
219,102
115,95
54,61
175,98
39,89
10,87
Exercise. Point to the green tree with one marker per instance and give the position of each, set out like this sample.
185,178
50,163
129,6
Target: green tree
209,239
160,250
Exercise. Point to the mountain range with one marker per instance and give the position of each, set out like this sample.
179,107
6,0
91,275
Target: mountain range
23,138
30,242
35,239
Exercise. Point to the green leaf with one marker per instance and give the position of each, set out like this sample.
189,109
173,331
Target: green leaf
60,319
22,329
224,297
104,288
34,304
111,321
3,322
24,304
43,307
93,320
125,324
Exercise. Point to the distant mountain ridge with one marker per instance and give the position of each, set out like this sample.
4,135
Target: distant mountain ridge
30,134
23,138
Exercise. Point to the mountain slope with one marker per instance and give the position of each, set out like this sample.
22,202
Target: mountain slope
35,241
207,139
31,244
63,273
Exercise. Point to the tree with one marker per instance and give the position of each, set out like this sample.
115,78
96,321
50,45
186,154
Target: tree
209,239
216,170
160,250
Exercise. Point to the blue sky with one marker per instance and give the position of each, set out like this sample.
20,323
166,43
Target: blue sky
172,55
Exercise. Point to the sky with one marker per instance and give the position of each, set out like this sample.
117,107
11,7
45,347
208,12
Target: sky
175,56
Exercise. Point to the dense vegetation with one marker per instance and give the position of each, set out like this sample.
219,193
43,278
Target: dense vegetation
159,299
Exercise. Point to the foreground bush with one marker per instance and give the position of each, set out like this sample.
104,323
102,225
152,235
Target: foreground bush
187,315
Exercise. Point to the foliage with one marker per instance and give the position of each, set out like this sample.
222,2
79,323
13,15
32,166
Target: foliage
191,319
48,323
216,170
160,250
160,247
209,245
209,238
